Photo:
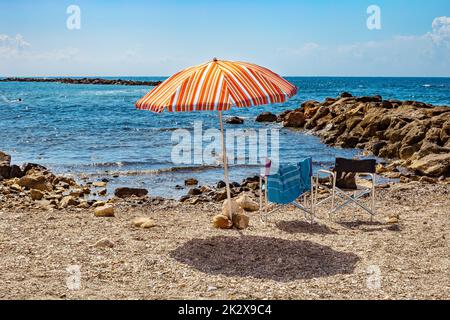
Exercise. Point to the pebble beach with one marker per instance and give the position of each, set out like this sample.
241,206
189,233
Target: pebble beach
183,257
135,245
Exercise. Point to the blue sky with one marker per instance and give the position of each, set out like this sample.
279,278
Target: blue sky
321,37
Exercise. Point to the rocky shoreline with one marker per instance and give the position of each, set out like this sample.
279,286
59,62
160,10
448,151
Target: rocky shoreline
413,137
136,246
33,185
169,250
408,134
98,81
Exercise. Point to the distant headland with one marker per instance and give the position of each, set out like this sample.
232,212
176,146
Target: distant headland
85,81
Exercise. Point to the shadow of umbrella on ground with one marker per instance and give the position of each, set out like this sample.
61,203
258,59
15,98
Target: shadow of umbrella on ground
264,258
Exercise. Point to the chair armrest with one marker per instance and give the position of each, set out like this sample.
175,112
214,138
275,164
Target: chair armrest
325,171
329,173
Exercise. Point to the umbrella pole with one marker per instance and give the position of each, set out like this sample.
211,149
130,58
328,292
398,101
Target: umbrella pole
225,165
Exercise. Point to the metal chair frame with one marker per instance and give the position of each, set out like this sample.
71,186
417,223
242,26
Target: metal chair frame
344,195
308,209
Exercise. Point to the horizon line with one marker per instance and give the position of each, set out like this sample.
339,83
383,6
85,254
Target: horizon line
161,76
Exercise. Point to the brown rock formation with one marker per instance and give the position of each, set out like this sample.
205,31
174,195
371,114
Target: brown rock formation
416,133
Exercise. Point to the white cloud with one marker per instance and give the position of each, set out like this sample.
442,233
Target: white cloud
65,55
11,46
408,55
441,31
131,54
425,54
305,49
16,48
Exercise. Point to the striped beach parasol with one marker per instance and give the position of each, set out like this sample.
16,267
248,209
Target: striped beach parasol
218,85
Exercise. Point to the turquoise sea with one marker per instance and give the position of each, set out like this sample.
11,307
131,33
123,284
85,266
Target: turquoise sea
95,129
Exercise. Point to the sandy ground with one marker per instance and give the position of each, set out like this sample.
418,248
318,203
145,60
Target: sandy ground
183,257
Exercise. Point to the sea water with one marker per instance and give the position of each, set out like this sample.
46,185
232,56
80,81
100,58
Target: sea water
95,130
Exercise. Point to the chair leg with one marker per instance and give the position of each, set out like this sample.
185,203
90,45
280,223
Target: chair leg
260,200
333,196
353,199
305,204
316,193
266,200
372,206
312,200
354,214
372,212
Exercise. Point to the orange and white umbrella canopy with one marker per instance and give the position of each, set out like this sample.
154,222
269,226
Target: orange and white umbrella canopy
218,85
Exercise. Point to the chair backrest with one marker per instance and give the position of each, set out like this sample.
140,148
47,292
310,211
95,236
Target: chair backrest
355,166
304,162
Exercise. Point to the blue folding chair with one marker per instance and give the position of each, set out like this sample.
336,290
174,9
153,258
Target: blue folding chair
289,183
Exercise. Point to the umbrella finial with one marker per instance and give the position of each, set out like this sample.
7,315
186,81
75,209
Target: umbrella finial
215,59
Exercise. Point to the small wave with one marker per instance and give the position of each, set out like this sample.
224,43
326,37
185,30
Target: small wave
111,92
170,129
9,101
427,85
167,170
170,170
120,164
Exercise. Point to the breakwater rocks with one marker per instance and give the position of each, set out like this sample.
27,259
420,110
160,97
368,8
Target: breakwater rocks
413,134
218,193
32,185
85,81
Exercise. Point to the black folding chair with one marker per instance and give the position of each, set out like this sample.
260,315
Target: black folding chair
347,193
